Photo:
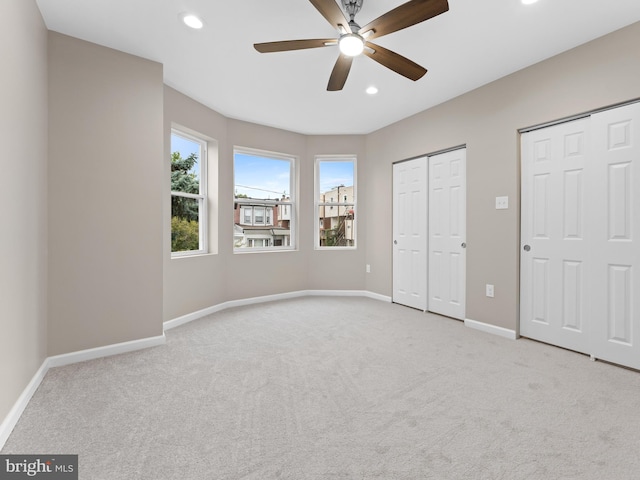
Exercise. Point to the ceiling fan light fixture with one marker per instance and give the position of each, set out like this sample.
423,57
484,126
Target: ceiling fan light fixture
528,2
351,44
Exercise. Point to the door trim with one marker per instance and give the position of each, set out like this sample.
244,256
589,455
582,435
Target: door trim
435,152
577,116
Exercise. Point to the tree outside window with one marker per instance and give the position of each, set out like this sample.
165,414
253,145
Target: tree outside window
188,194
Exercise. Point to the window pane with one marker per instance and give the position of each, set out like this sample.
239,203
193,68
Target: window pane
189,177
185,225
336,223
262,187
334,174
262,177
246,215
185,165
259,215
337,227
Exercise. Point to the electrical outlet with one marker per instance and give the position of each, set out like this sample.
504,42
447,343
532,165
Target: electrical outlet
368,268
502,203
489,290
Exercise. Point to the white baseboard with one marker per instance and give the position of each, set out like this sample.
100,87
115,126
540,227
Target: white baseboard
176,322
190,317
347,293
106,351
494,330
10,421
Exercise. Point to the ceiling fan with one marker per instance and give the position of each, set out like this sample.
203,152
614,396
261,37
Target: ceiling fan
355,40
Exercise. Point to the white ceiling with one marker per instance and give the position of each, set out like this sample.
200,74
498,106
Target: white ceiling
475,42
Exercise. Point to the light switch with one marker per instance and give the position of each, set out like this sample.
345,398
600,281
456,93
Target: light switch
489,290
502,203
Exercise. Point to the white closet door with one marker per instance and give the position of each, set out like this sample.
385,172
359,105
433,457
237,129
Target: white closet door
410,233
580,264
447,233
554,234
615,282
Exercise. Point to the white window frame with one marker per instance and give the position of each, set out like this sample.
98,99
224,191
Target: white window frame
292,202
259,215
328,205
246,213
203,217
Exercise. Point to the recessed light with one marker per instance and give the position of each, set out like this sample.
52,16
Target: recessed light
528,2
192,21
372,90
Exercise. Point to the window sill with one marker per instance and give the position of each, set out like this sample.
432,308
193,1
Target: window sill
243,251
192,255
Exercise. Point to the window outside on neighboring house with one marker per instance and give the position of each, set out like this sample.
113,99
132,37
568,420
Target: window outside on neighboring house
335,187
188,194
264,201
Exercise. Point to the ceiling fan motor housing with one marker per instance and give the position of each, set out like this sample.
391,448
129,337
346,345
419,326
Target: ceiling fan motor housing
352,7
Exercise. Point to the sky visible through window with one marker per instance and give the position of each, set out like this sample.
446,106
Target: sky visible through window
334,174
186,147
262,177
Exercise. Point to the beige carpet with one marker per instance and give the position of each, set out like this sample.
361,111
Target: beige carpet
338,388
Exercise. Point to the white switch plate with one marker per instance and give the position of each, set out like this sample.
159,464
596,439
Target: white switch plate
368,268
502,203
489,290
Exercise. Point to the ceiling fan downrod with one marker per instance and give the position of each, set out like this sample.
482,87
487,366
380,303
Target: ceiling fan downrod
352,7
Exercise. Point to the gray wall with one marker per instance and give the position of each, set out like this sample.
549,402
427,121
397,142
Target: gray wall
600,73
23,197
194,283
85,256
343,269
105,196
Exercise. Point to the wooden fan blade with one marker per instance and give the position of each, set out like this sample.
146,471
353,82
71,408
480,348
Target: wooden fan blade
330,10
287,45
404,16
394,61
340,73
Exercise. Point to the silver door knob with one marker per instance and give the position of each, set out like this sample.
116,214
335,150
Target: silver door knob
527,248
463,245
395,242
